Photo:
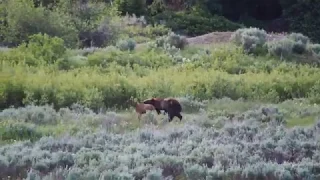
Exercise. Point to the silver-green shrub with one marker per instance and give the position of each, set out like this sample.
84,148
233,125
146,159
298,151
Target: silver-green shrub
245,147
33,114
176,40
171,39
315,49
250,39
189,105
281,48
299,37
300,42
126,45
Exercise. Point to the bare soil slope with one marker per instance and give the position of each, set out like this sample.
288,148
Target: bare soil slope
222,37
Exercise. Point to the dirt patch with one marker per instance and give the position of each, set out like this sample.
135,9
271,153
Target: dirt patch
223,37
219,37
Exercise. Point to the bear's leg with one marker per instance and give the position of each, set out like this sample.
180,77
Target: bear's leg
179,116
171,116
158,111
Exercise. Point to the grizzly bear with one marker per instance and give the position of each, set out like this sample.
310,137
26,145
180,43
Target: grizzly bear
169,105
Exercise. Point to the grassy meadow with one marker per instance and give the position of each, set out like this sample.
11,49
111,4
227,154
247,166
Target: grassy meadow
250,109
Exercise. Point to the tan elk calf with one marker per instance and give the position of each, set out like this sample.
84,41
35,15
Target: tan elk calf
141,108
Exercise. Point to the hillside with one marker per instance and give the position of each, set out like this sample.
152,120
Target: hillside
242,109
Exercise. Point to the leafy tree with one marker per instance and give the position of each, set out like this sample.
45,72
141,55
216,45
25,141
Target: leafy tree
137,7
302,17
23,19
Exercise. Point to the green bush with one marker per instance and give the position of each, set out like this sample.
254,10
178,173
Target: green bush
40,49
112,55
172,40
315,49
72,62
176,40
281,48
299,47
77,23
44,48
250,39
107,77
44,115
300,42
149,31
103,58
296,37
193,25
24,20
90,87
18,131
137,7
126,45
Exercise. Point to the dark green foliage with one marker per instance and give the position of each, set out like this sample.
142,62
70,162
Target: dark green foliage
45,48
85,24
72,21
12,94
91,21
302,17
192,24
18,131
137,7
40,49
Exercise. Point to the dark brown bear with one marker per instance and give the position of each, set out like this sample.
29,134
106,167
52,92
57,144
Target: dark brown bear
169,105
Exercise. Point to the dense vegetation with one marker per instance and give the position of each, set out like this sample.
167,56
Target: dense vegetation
70,68
82,23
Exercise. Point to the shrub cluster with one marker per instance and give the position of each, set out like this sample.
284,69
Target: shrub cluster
255,40
300,42
108,77
33,122
249,38
171,40
126,45
315,49
137,28
244,148
79,24
192,24
281,48
114,85
294,43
